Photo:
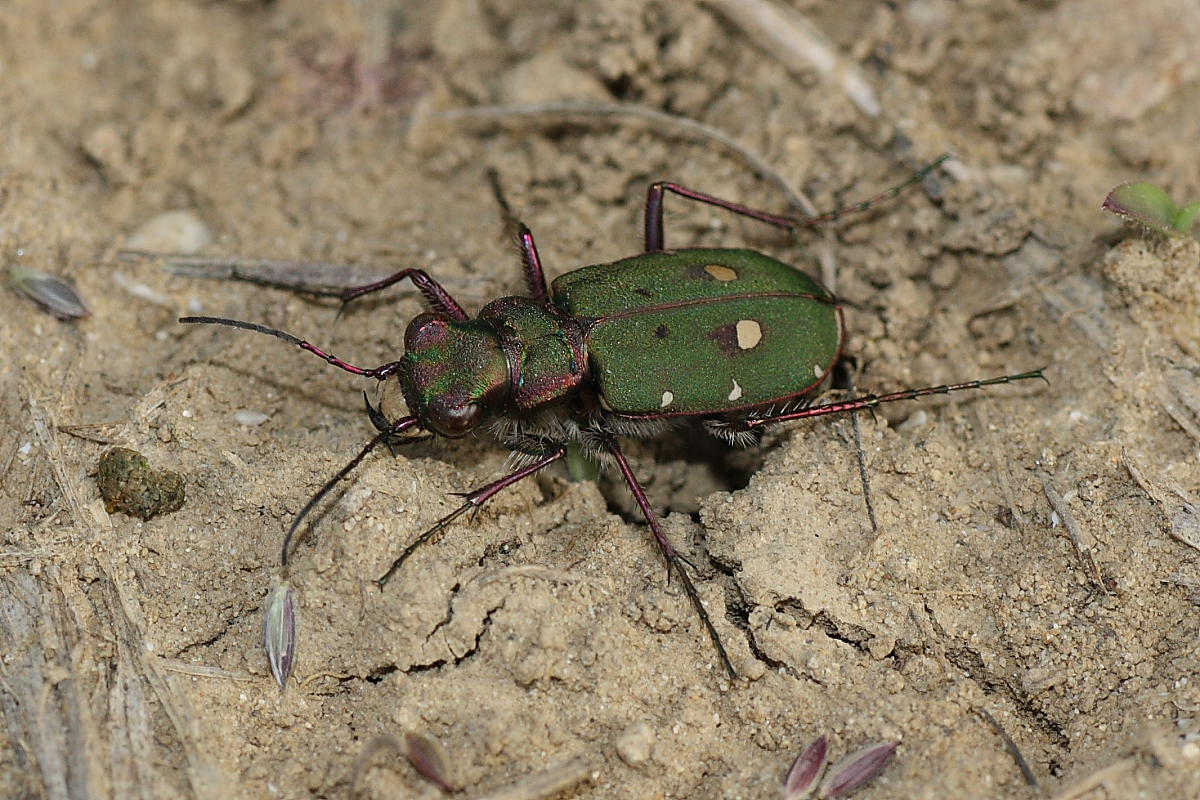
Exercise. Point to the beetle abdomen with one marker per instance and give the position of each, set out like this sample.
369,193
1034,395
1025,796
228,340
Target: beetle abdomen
701,331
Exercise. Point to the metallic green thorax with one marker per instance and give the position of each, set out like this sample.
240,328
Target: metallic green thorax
514,358
700,331
545,354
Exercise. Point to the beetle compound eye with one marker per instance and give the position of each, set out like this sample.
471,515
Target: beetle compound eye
425,331
454,421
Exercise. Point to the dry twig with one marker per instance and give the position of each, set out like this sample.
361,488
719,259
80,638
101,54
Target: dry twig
547,783
1083,541
788,36
554,113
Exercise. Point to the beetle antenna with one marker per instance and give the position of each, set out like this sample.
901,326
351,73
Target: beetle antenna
864,205
379,373
399,426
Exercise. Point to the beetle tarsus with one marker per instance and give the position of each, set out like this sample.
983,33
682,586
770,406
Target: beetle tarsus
535,277
694,596
434,530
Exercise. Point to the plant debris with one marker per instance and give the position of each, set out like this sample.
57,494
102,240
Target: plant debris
52,293
849,774
279,631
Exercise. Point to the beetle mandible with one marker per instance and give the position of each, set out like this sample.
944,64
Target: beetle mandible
730,337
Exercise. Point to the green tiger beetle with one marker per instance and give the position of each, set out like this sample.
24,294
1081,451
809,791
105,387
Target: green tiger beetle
731,338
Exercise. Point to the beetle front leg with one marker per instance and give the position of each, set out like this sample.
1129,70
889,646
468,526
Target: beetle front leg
475,500
385,435
535,278
674,559
433,292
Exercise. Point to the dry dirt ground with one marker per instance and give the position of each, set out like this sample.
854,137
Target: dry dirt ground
543,635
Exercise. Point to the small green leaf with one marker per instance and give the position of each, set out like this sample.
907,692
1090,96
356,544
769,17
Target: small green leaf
1185,220
581,468
1149,205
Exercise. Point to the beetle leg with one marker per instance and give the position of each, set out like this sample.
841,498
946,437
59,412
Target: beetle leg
654,211
654,207
674,559
437,297
474,500
872,401
535,279
384,435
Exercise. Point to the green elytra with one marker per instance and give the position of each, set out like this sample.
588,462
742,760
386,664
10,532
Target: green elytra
729,336
697,332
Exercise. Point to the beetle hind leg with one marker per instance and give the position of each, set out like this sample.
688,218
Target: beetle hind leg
655,194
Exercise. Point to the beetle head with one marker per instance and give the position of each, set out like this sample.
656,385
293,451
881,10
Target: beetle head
452,373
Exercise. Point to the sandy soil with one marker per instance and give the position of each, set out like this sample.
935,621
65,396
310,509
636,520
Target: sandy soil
544,633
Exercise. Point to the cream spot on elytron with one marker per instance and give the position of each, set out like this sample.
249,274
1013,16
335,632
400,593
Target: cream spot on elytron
666,401
817,371
737,391
749,333
721,272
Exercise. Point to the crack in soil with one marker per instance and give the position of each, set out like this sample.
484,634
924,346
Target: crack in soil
971,664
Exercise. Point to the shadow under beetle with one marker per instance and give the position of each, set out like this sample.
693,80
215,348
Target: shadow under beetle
731,337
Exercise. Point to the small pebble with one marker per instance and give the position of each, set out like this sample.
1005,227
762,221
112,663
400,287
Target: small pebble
250,417
635,744
916,420
106,145
176,232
